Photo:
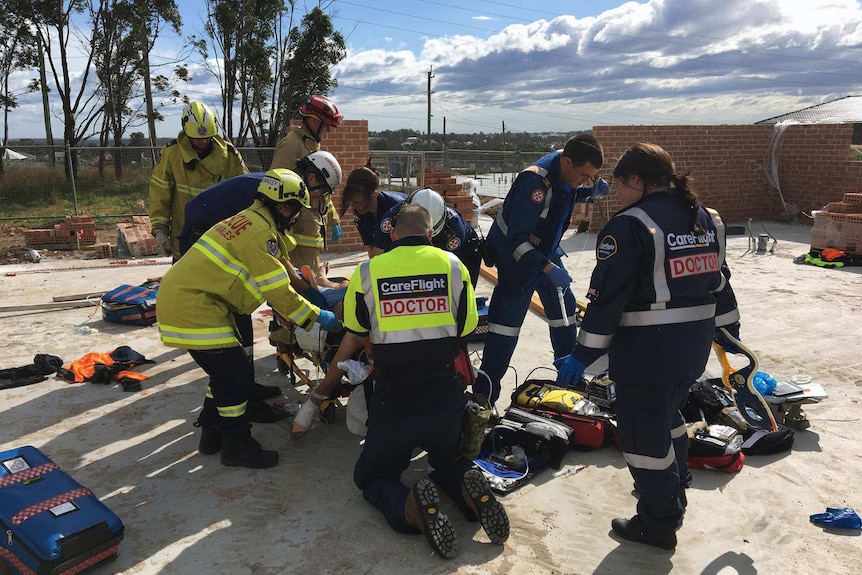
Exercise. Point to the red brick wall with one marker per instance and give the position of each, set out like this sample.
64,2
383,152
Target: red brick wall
728,165
72,231
349,145
453,193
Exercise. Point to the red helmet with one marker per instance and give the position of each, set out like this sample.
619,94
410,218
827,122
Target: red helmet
323,109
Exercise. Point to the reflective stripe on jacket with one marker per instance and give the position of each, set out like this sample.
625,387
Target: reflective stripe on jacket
415,300
181,174
234,268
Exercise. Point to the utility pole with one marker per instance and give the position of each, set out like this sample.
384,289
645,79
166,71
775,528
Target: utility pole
444,133
49,136
430,75
504,135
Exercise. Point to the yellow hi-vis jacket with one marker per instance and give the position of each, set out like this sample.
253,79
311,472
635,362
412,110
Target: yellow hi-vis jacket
233,268
293,146
306,230
180,175
416,301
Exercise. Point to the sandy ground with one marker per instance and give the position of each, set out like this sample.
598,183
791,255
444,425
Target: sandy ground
185,513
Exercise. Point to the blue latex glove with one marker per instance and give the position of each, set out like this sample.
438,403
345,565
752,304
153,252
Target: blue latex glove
336,233
327,320
559,277
843,517
570,370
601,188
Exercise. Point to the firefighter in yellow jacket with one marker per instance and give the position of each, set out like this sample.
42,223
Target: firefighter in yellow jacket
235,267
319,116
197,159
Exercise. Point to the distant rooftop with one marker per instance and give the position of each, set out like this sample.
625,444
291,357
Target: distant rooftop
847,110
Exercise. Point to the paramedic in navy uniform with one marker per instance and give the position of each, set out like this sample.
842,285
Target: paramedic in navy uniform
657,294
451,231
416,302
525,239
369,205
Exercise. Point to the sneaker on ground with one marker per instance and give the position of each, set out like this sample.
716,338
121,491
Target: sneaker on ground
259,411
265,392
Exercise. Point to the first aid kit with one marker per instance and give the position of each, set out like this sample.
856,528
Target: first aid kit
52,523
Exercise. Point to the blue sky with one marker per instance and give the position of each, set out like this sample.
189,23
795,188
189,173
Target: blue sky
562,66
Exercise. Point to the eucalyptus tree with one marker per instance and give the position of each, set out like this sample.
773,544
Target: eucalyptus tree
62,39
267,65
17,52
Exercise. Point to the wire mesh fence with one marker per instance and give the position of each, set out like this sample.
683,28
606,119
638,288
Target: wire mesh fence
488,173
41,183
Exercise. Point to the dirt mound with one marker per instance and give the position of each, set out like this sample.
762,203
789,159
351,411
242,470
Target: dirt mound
15,255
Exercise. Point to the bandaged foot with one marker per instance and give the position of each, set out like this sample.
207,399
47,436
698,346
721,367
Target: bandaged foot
308,415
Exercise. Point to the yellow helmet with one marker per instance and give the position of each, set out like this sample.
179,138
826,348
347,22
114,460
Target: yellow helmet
282,185
199,121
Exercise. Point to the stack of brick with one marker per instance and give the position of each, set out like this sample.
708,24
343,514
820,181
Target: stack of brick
137,237
839,226
72,232
102,251
453,193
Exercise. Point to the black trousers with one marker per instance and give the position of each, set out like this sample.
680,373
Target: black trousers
229,388
416,410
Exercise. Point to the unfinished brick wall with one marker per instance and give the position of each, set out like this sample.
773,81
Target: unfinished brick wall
71,232
349,144
136,237
728,163
815,167
453,193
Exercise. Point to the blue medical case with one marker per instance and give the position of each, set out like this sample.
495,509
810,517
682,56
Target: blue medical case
51,524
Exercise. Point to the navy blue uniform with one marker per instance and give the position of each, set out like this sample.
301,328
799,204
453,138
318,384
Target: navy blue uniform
457,236
525,237
656,295
216,203
371,225
418,398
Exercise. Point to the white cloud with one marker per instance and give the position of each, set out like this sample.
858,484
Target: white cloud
664,61
661,61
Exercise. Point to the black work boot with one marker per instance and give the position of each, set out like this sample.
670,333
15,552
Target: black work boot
489,511
263,392
634,530
210,442
240,449
259,411
422,510
208,422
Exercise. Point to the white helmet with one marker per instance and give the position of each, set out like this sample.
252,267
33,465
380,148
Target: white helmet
324,164
433,202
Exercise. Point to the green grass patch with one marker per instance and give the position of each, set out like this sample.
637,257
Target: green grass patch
36,193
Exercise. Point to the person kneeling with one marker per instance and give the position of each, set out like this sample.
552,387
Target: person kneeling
418,398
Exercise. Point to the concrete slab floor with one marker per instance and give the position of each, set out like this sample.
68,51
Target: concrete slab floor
185,513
